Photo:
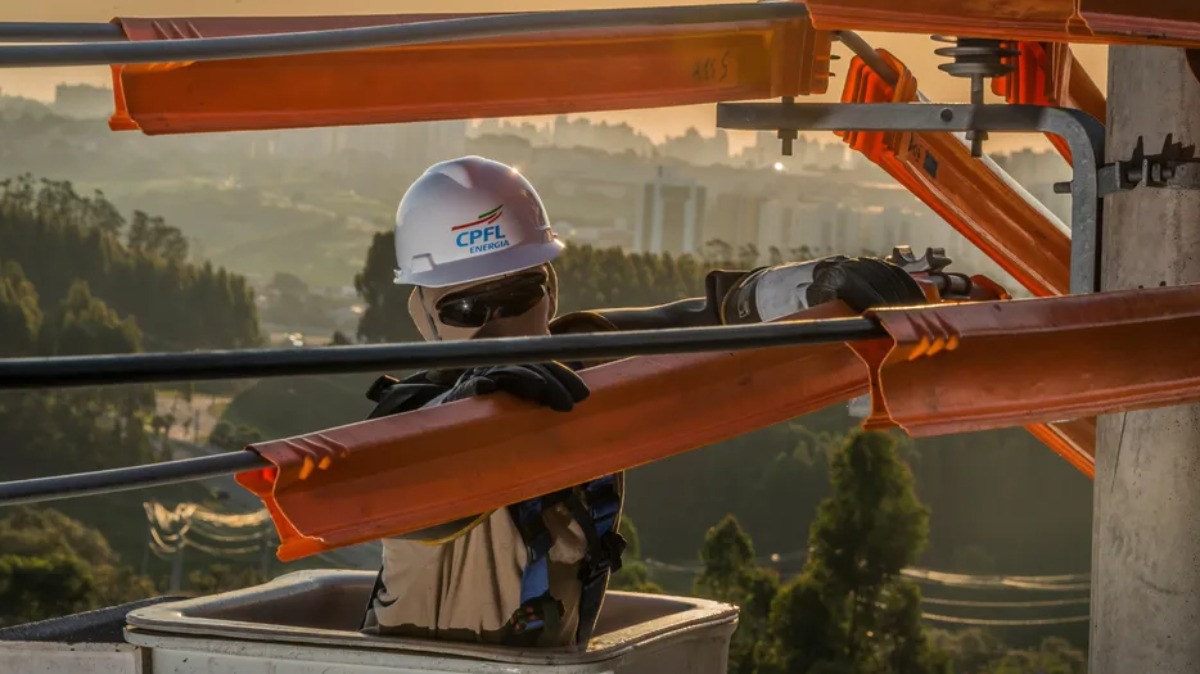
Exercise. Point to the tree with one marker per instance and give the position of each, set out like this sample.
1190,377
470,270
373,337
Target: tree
287,284
633,576
873,525
850,608
151,234
802,630
1053,656
86,325
60,238
223,578
20,316
53,565
732,575
38,588
227,436
385,318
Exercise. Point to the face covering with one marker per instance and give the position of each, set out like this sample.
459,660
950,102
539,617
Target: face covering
493,301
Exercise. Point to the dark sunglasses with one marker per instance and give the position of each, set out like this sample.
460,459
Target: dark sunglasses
476,306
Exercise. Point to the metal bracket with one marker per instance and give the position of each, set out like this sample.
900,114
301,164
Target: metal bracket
1083,134
787,137
1174,168
934,260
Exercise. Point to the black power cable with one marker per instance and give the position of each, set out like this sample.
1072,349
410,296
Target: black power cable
342,39
65,371
125,479
83,370
17,31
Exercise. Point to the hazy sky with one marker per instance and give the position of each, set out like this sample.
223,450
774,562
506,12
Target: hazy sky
915,51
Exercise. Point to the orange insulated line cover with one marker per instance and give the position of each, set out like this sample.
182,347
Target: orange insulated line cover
1162,22
402,473
939,169
978,366
611,69
1172,21
1048,74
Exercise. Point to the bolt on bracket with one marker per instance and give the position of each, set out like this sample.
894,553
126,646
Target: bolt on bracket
1174,168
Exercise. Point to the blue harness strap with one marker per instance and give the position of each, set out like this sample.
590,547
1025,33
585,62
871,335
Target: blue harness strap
605,546
539,610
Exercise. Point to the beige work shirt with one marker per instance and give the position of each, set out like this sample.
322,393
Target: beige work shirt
468,588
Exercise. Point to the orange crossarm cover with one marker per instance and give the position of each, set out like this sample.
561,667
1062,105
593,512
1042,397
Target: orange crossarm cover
941,172
1173,20
978,366
540,74
1162,22
406,472
1048,74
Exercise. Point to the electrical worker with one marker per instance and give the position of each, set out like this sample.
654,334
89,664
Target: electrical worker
472,237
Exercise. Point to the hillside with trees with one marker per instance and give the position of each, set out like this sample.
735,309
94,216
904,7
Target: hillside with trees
78,277
137,266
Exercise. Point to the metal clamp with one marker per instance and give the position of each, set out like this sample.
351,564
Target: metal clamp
1083,134
934,260
1174,168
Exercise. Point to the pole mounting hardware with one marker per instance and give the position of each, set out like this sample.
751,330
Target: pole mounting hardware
934,259
1176,167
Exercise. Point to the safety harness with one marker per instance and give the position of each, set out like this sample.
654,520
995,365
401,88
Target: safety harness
594,505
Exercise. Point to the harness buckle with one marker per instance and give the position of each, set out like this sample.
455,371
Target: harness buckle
532,618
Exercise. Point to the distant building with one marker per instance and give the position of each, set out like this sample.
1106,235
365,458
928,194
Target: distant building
614,138
695,149
82,101
672,215
532,133
414,146
417,144
806,154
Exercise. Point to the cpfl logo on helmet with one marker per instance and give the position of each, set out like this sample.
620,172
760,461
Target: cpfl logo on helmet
483,234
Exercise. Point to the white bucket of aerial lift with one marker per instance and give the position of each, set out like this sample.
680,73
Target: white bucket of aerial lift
307,623
470,219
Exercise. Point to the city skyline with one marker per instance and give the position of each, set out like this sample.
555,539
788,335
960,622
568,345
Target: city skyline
915,50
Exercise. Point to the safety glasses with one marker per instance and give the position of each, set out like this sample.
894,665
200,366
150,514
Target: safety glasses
475,306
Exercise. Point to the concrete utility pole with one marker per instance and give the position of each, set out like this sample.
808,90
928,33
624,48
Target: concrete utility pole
1146,521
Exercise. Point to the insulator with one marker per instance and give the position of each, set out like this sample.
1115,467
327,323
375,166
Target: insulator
975,57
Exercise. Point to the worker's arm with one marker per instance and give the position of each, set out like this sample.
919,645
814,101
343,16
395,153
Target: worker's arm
550,384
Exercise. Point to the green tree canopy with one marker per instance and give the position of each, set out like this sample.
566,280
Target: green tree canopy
633,575
20,316
37,588
61,238
53,565
850,608
84,324
732,575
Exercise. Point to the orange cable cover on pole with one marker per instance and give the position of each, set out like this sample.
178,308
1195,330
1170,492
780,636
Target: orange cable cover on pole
979,366
939,169
548,73
402,473
1048,74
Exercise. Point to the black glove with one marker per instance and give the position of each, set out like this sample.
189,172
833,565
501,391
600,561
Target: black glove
863,283
553,384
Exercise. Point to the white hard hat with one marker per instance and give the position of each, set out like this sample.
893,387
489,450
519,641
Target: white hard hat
470,219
